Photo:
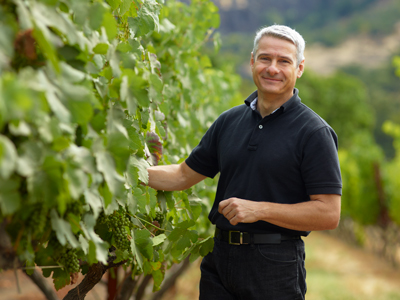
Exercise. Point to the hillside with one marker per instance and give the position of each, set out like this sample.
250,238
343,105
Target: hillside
329,22
359,50
338,33
363,51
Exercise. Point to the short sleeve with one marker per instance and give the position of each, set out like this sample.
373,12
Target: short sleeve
320,167
204,157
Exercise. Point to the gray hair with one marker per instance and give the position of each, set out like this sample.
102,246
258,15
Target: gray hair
285,33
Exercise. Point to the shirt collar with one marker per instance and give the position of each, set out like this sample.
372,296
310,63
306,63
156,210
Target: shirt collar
253,105
251,101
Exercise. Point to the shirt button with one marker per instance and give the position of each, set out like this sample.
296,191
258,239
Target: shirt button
260,126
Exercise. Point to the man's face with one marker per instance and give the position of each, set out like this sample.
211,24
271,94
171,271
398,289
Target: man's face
274,67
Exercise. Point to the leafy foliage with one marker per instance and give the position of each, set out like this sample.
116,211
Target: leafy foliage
340,100
91,94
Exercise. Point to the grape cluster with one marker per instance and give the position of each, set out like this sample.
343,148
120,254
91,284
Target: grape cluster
159,217
65,256
69,259
121,238
117,223
37,221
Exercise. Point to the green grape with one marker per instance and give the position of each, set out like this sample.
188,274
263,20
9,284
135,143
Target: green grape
121,238
70,260
159,217
117,222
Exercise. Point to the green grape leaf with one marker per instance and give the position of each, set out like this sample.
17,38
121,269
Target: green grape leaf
158,277
81,111
141,200
159,239
10,199
63,230
92,258
162,200
147,19
114,3
180,230
194,207
77,181
30,156
207,246
110,25
131,203
88,224
106,166
96,15
183,242
152,200
121,255
170,199
132,175
93,198
144,243
125,6
74,222
142,166
61,278
42,36
101,48
156,83
83,242
124,47
135,252
8,157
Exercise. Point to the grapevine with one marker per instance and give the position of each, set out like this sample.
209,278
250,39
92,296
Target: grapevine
87,94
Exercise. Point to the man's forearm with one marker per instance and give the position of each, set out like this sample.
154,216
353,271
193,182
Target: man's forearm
164,177
306,216
173,177
322,212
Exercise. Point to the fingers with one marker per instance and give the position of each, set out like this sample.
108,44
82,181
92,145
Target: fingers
223,204
237,210
228,209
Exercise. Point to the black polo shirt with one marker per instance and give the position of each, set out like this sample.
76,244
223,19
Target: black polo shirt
282,158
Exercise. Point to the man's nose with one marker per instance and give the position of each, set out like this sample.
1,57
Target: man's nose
273,69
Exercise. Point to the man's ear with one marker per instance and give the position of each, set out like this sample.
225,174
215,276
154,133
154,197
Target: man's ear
300,70
252,60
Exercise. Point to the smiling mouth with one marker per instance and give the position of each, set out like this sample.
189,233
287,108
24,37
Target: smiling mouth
271,79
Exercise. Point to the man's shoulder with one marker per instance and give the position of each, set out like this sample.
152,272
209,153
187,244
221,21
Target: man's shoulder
235,111
310,117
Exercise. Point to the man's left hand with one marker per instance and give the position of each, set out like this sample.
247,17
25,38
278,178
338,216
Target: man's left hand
239,210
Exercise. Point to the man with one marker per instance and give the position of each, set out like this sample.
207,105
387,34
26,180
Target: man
279,179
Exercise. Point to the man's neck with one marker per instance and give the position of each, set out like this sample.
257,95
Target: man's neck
266,104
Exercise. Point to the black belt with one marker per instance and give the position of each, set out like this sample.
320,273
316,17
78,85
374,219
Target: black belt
242,238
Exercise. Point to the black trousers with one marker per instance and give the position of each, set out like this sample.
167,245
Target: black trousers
254,272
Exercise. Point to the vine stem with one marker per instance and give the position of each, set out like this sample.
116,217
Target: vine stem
41,267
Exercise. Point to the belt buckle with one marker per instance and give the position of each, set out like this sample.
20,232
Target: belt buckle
240,237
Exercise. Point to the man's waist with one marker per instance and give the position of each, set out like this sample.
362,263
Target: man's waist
242,238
